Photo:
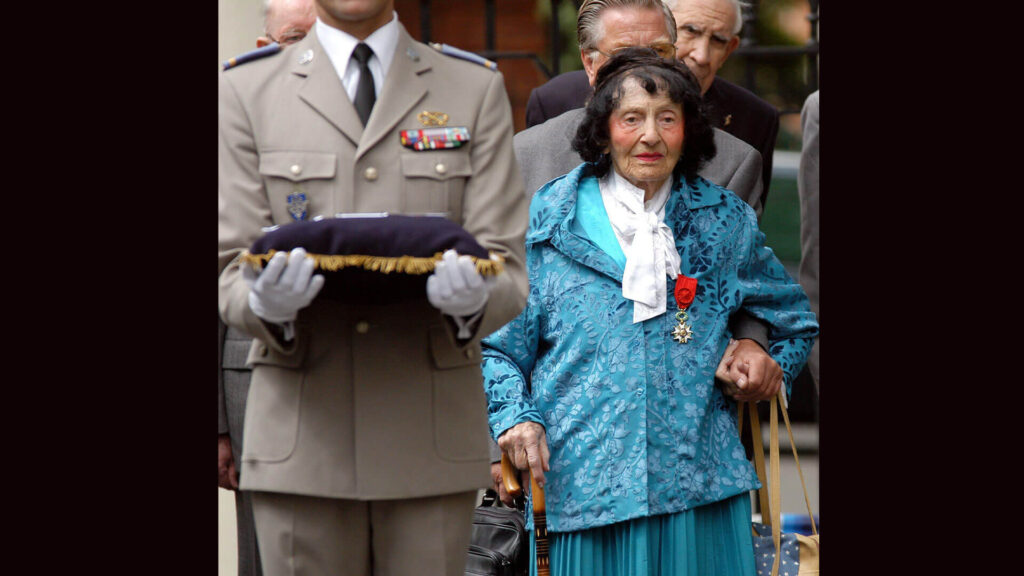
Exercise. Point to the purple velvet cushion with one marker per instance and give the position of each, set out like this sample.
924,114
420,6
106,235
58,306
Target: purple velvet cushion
374,259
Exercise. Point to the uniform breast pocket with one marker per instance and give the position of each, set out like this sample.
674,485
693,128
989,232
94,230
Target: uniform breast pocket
434,181
299,183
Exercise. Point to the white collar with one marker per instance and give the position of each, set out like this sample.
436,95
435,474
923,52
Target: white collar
623,189
339,46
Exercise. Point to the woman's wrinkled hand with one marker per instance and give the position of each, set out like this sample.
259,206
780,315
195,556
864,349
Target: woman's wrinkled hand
527,447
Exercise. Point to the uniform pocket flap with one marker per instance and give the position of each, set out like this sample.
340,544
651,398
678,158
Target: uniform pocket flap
436,165
263,354
446,354
298,166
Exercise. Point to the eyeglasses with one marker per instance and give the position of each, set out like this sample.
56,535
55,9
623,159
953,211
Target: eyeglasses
289,37
663,49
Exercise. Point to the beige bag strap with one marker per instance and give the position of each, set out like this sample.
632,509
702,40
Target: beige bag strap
769,516
796,459
759,459
776,483
771,506
762,495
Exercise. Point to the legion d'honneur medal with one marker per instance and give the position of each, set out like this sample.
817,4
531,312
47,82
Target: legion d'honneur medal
685,290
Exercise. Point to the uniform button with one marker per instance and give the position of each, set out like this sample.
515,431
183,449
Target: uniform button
362,327
470,353
263,350
639,391
441,168
296,169
370,173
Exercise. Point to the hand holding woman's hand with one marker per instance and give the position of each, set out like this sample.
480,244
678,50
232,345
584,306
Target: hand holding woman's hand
747,373
527,447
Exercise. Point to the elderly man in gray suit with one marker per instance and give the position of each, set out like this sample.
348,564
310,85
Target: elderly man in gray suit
603,26
545,152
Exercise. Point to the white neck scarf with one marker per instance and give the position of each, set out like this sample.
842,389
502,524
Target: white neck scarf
646,240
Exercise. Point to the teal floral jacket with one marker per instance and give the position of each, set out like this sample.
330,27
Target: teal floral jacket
634,421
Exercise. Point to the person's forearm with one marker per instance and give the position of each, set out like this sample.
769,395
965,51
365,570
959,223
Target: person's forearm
745,326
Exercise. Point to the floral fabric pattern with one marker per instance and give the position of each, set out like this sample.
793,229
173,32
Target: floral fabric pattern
634,421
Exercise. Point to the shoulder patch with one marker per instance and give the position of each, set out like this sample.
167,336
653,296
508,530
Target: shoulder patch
272,48
464,55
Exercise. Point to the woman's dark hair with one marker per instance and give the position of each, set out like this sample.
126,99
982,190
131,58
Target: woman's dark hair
654,74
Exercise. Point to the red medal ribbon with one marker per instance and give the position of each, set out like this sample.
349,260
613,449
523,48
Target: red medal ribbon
686,289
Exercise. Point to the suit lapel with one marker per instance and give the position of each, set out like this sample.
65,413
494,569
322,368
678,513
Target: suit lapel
323,90
403,87
713,106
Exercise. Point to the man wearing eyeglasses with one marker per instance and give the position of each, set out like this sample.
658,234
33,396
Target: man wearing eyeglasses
707,32
287,21
284,22
603,27
544,152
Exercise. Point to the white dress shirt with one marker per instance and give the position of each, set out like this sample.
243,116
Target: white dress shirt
340,45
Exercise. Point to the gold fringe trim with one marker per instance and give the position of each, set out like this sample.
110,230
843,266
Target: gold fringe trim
384,264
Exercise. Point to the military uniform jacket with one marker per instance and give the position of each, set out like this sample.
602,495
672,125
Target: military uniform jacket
367,402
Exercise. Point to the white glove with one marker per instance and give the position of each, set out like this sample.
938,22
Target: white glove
456,288
285,286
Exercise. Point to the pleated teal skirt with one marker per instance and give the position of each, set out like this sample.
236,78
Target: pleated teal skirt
710,540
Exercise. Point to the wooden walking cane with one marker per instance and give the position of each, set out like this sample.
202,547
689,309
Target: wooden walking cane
510,479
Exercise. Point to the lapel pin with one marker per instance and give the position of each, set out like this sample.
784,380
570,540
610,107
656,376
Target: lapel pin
306,57
433,118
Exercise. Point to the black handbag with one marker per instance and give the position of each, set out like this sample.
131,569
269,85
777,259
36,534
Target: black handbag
500,544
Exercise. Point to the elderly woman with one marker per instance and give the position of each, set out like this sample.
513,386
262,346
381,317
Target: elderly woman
604,386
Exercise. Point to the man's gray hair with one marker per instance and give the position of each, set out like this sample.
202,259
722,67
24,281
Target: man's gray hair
737,4
589,30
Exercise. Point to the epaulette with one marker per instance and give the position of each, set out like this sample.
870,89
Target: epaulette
459,53
272,48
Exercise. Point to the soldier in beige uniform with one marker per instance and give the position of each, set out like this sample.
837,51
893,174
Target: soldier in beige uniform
365,436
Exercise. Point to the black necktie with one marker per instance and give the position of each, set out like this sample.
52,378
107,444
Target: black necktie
365,94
